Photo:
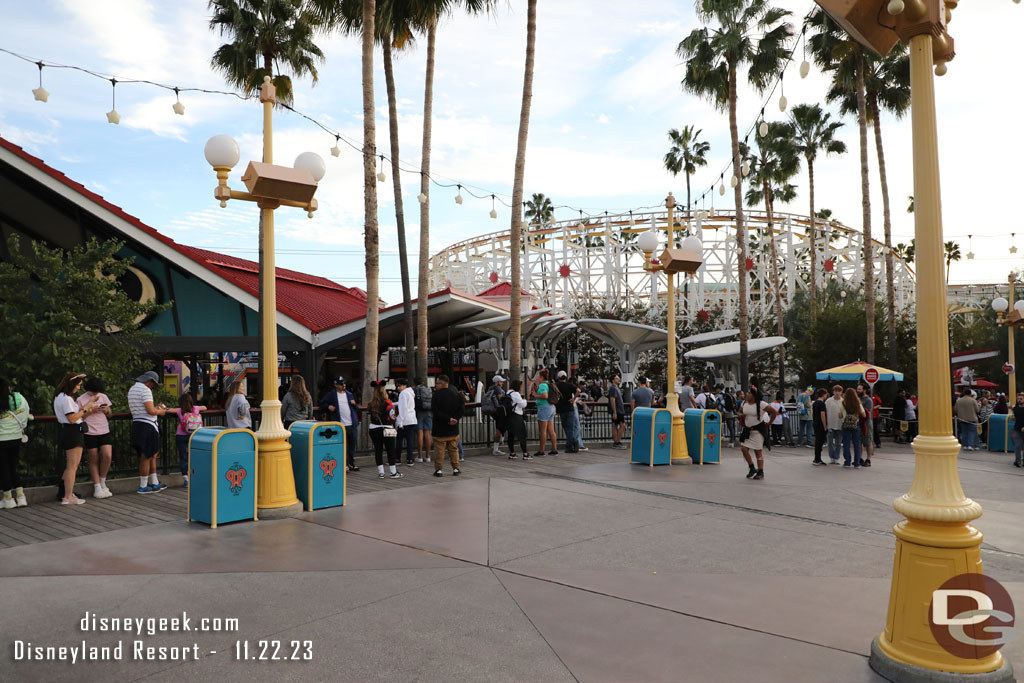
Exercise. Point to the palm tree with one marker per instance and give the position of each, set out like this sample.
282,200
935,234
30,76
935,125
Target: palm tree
910,206
686,155
887,86
834,50
771,169
539,210
814,131
370,236
743,32
905,251
515,306
264,33
952,251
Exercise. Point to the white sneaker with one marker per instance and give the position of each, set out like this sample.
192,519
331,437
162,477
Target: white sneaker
20,500
7,503
419,459
101,493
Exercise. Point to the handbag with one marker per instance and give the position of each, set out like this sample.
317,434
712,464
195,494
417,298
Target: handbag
390,432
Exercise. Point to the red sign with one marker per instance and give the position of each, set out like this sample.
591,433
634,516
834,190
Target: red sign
1007,368
871,375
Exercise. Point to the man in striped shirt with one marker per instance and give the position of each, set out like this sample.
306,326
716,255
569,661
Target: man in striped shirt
145,434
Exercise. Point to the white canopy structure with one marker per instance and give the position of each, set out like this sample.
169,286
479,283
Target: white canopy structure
728,353
536,327
629,339
714,335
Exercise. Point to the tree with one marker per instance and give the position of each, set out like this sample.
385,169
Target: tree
515,306
814,132
952,251
371,241
835,51
910,206
743,33
771,169
686,155
905,251
539,209
65,310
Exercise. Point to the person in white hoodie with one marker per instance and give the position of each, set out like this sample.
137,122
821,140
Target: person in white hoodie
408,424
516,421
14,417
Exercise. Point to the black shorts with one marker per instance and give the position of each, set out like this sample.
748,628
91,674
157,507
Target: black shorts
145,440
618,420
501,423
70,436
97,440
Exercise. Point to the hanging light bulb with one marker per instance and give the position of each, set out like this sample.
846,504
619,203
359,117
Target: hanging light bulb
458,196
970,249
1013,247
335,151
721,188
382,176
896,7
711,212
746,168
783,103
178,107
763,129
112,115
632,223
422,198
494,211
805,68
733,181
40,93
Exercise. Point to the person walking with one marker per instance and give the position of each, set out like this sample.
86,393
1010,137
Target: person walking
835,424
382,415
297,404
820,420
236,414
490,404
618,412
642,397
97,443
804,410
14,418
546,397
341,406
447,407
565,409
851,412
408,425
190,419
71,417
145,432
966,409
517,421
424,420
867,425
1018,431
754,436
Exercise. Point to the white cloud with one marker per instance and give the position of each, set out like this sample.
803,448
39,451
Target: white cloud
603,118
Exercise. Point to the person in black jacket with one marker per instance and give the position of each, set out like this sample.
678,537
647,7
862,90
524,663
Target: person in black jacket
446,407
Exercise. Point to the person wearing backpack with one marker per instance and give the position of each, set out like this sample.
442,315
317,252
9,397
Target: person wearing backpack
851,412
729,413
565,408
491,406
189,420
14,418
424,420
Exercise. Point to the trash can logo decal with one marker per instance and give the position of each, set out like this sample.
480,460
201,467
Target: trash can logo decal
711,438
327,465
235,475
662,435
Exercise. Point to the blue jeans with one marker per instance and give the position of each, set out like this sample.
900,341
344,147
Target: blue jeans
407,436
806,436
835,440
969,434
576,424
351,443
572,435
851,436
1018,443
461,456
181,441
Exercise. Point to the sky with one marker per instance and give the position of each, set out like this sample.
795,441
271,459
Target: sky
606,91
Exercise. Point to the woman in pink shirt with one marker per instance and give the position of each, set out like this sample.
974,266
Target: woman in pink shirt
97,440
189,420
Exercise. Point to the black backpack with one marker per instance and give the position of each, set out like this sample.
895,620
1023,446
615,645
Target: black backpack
504,405
489,403
424,395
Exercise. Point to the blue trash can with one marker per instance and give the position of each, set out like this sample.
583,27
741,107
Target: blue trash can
999,438
318,461
223,477
652,437
703,435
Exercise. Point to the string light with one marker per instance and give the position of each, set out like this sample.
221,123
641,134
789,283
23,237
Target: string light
178,107
494,211
631,223
783,102
40,93
112,115
1013,247
422,198
746,168
896,7
458,196
336,151
970,249
805,66
381,175
734,181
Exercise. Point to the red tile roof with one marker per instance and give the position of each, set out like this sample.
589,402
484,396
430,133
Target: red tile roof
315,302
501,289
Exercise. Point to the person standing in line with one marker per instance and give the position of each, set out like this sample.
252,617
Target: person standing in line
966,409
835,424
1018,431
517,422
447,408
867,423
910,408
686,398
851,412
408,425
382,430
702,397
643,397
618,413
189,420
97,442
577,424
876,403
1001,407
820,422
545,414
584,411
424,420
297,404
491,406
984,413
807,425
14,418
72,427
145,434
565,408
729,411
755,430
341,406
898,415
780,413
236,414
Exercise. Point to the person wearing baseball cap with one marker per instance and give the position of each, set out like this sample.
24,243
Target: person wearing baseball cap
491,404
341,406
145,432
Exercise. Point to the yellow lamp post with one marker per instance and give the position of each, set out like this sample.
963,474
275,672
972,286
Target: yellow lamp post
270,186
685,260
936,541
1011,320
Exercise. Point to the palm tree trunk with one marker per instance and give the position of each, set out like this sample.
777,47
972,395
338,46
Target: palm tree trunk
865,191
515,306
814,243
422,330
769,204
687,195
370,240
396,181
741,233
890,276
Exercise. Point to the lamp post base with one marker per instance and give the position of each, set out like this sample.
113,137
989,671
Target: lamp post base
680,455
275,497
901,672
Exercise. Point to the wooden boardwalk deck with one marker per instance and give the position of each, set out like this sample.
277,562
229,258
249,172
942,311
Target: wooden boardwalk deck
50,521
